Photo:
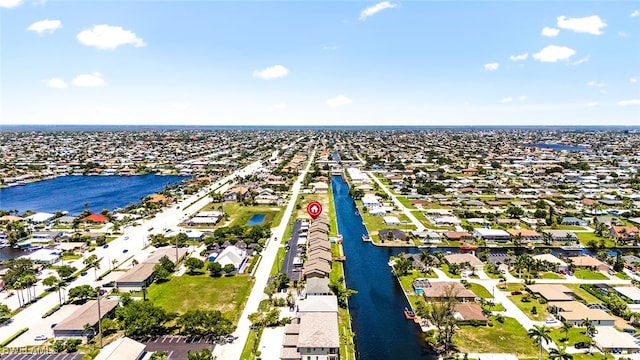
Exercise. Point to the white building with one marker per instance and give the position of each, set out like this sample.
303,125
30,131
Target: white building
370,201
234,256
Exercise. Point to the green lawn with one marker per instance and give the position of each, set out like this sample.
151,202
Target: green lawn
550,275
512,287
493,276
252,343
182,293
576,334
589,275
445,269
509,337
542,312
480,291
622,275
333,231
277,265
583,294
406,202
585,237
376,223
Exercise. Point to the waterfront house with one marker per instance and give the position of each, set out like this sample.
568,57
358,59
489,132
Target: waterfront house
624,233
630,293
562,236
95,218
495,235
391,220
560,265
316,268
527,235
469,313
571,220
317,287
441,290
320,187
631,262
392,234
457,235
312,335
73,326
462,258
370,201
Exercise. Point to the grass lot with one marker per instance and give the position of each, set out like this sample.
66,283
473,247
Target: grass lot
376,223
407,280
406,202
428,224
509,337
277,265
576,334
563,227
622,275
550,275
249,211
493,276
583,294
589,275
480,291
445,269
182,293
585,237
333,222
526,307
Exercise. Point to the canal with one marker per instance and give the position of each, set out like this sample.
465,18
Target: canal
381,331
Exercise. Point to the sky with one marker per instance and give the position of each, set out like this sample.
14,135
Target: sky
429,63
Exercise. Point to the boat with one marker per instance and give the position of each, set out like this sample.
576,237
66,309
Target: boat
366,238
468,247
408,314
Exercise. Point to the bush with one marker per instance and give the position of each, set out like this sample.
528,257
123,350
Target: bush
516,293
51,311
13,337
534,310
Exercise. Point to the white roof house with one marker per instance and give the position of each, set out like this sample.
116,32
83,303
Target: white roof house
40,217
631,292
391,220
370,201
552,259
232,255
607,338
491,234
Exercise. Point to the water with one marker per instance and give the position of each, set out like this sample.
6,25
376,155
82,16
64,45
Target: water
70,193
256,219
559,147
381,331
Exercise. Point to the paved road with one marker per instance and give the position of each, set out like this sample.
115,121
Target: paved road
137,235
407,212
287,265
234,351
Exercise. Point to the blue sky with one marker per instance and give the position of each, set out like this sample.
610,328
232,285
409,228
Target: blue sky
320,62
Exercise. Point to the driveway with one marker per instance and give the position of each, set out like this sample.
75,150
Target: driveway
178,346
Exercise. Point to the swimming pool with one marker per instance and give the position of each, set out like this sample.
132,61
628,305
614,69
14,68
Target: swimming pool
256,219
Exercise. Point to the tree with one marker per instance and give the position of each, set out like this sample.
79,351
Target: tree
214,268
82,292
166,263
590,328
560,354
56,284
139,318
228,269
619,264
341,292
159,355
160,273
193,264
539,334
204,354
401,265
205,323
566,327
92,262
4,313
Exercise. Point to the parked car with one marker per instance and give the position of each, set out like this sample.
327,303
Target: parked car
40,338
105,246
126,238
53,325
125,251
83,273
109,284
580,345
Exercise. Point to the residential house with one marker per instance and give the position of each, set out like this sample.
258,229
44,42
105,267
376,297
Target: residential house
625,233
495,235
437,291
560,265
462,258
234,256
469,313
608,339
73,326
527,235
588,262
562,236
575,312
317,287
237,194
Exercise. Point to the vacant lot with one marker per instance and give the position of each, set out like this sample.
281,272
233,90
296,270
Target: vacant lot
509,337
182,293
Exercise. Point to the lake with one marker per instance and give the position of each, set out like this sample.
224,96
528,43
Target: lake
70,193
558,147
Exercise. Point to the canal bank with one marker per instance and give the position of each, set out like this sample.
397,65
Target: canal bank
381,330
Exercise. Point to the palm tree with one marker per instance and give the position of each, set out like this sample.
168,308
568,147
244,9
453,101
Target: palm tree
539,334
588,324
560,354
566,327
93,262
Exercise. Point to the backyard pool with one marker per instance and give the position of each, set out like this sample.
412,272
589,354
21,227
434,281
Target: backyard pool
256,219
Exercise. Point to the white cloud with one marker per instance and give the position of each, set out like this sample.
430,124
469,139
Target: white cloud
339,100
629,102
594,83
633,80
10,3
45,26
180,106
635,13
280,105
328,48
506,100
590,24
56,83
109,37
272,72
553,53
520,57
491,66
550,32
522,98
592,104
622,34
88,80
372,10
